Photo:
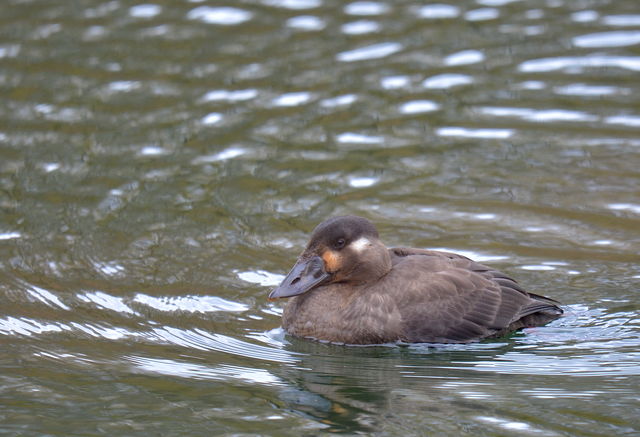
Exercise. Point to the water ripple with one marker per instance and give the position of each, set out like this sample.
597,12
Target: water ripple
523,363
581,89
343,100
198,371
145,11
496,3
261,277
306,22
375,51
464,57
102,331
26,326
573,64
45,296
621,20
366,8
227,16
608,39
362,182
10,235
625,207
539,115
418,106
293,4
585,16
123,86
207,341
514,426
355,138
212,118
230,153
192,304
438,11
627,120
447,80
360,27
9,51
292,99
230,95
394,82
455,131
482,14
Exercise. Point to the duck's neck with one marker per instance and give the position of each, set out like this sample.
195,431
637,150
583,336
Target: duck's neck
377,264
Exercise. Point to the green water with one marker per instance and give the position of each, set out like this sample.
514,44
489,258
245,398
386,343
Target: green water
162,164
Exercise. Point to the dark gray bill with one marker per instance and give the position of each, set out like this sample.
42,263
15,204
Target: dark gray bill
305,275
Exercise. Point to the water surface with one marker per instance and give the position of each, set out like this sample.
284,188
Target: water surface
162,163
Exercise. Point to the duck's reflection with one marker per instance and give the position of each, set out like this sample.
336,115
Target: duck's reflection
347,387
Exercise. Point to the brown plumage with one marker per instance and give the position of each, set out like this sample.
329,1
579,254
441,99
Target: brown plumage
348,287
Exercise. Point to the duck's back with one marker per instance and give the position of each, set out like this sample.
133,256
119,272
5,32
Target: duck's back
445,297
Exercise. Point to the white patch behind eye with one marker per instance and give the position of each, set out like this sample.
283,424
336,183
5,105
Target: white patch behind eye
360,244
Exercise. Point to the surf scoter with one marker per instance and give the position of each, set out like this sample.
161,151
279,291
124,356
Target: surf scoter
348,287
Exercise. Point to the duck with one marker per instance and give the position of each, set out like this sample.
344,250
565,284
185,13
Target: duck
348,288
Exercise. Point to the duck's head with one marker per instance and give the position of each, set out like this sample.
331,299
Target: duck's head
341,249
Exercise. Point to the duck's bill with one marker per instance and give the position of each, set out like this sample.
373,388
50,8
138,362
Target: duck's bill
304,276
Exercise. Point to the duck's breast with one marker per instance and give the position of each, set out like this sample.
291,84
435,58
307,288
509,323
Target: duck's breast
343,313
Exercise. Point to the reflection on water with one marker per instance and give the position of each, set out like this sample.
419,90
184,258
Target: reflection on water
191,370
161,165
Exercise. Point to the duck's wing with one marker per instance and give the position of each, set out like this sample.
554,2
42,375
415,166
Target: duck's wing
451,298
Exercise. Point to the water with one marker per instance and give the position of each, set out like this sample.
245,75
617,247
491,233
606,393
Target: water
161,166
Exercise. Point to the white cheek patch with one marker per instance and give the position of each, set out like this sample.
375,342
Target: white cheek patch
360,244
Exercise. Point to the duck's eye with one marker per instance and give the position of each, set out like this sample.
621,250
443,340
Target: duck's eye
340,242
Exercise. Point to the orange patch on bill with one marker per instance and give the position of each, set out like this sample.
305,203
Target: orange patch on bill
331,261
